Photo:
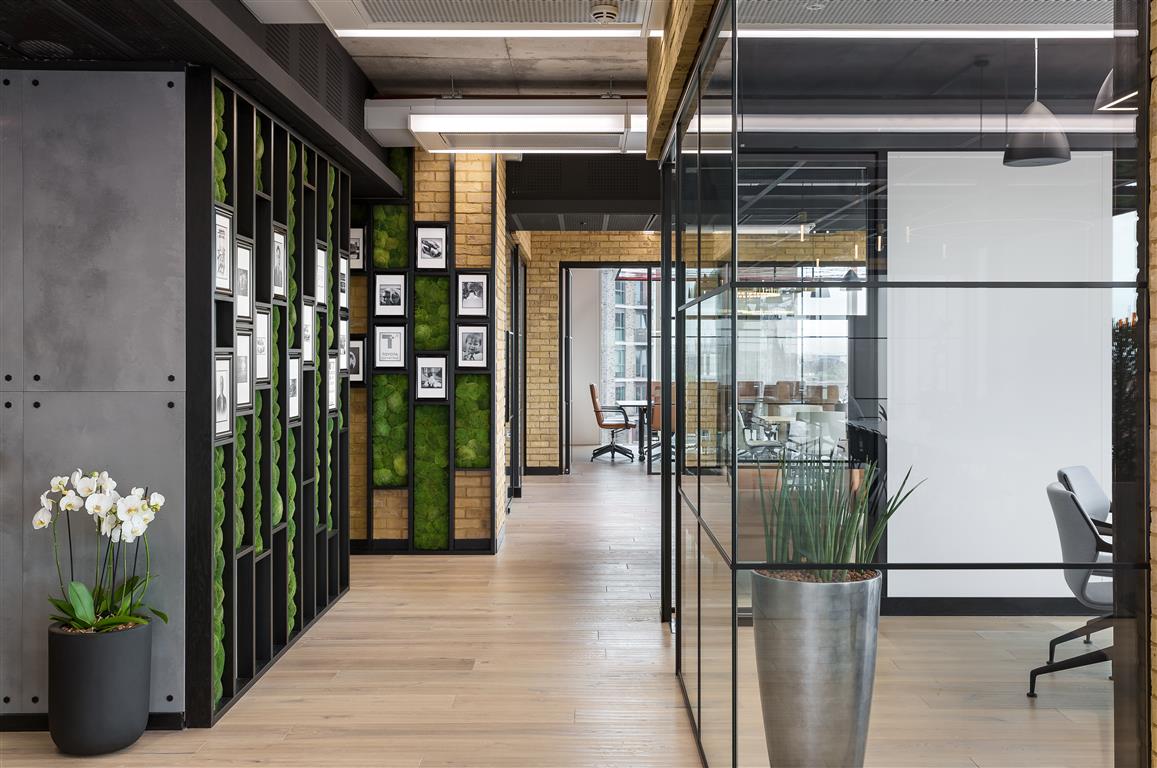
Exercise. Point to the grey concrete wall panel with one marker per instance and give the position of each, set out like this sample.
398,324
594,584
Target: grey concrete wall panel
104,230
11,235
140,440
12,524
99,312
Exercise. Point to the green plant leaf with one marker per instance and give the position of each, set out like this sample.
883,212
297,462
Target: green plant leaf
63,606
115,621
159,614
81,600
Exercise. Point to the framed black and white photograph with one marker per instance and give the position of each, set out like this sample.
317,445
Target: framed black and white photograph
432,378
472,346
389,295
343,283
243,371
343,345
293,387
280,270
357,258
431,247
261,360
320,284
223,251
331,398
356,362
243,287
390,346
472,295
223,394
307,325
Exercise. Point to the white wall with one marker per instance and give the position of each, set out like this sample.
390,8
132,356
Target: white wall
990,390
584,354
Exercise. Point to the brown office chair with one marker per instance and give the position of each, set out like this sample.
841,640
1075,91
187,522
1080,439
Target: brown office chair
615,420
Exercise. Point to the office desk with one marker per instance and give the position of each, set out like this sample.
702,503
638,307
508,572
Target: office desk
642,407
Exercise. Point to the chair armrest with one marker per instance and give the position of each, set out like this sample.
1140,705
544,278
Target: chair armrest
1103,528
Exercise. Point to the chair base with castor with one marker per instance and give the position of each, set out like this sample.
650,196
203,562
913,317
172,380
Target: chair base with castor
1084,660
614,449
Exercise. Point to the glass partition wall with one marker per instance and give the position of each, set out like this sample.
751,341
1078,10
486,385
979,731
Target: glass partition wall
908,288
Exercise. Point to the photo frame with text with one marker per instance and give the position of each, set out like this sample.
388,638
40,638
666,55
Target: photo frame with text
390,346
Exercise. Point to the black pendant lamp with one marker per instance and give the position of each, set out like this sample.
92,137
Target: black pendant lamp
1045,143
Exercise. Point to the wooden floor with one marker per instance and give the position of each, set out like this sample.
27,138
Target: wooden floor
551,655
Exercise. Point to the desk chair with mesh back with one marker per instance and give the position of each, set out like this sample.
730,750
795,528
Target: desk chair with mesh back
1080,543
1092,499
615,420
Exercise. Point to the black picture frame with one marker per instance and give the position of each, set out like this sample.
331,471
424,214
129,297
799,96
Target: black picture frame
293,383
427,235
467,288
243,383
244,283
222,251
357,249
321,276
332,383
343,345
262,353
279,263
389,297
223,395
424,369
357,372
307,327
396,335
472,343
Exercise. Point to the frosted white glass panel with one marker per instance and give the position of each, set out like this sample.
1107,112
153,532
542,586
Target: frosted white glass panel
990,391
966,216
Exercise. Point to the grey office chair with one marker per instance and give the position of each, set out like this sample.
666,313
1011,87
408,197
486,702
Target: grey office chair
1089,495
1080,543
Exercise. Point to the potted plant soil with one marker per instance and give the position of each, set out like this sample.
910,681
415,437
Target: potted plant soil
100,644
815,627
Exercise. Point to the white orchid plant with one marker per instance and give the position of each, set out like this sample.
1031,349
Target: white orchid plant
120,524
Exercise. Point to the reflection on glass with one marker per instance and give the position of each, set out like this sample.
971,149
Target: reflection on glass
688,618
716,424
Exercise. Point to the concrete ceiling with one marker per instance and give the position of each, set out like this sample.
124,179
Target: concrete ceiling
502,66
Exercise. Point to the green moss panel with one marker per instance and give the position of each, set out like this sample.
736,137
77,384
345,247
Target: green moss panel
331,425
291,529
390,412
319,440
259,154
218,573
331,283
391,236
431,313
258,494
472,420
240,465
431,477
276,502
398,161
220,144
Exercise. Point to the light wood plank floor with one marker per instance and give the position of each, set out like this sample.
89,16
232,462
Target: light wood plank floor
551,656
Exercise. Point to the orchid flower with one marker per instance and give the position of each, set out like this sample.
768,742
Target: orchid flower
86,486
59,484
98,504
42,519
70,502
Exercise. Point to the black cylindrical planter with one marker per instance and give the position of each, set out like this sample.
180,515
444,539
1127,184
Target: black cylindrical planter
98,688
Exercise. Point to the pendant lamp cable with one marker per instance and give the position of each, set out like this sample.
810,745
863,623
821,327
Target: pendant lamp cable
1035,68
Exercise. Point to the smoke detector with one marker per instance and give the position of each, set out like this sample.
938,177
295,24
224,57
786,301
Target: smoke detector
605,11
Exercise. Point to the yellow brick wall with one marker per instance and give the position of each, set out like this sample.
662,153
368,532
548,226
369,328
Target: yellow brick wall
358,475
501,326
472,211
392,514
545,251
431,186
471,505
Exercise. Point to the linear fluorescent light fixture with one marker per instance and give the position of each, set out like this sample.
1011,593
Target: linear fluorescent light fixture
1116,104
934,33
532,151
574,31
514,123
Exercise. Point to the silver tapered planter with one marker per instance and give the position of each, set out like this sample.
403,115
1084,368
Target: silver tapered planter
815,652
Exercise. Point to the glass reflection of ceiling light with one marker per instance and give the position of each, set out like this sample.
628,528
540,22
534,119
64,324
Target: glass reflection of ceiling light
773,229
1083,123
575,30
935,33
1118,105
562,123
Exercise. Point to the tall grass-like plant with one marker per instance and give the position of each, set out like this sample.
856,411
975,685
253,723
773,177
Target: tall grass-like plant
823,511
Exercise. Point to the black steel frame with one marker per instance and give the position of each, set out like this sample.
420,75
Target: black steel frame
257,631
1131,641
